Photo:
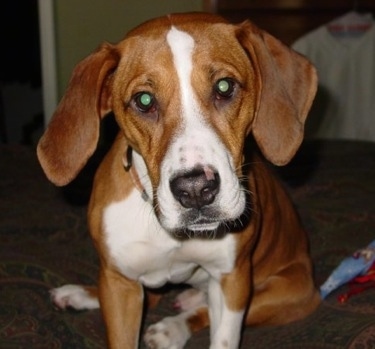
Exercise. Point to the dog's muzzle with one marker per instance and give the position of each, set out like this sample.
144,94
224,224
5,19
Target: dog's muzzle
196,190
205,198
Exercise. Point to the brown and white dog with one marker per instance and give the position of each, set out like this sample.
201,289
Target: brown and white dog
177,199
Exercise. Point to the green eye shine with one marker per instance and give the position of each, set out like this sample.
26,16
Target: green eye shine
144,101
224,88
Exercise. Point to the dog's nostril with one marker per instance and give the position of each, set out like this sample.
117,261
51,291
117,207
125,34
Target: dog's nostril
195,189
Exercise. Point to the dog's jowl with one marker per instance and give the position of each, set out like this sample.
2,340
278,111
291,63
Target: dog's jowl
185,195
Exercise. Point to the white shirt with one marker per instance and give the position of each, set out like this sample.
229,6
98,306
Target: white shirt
345,103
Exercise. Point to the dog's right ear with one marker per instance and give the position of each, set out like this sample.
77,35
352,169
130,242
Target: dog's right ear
288,83
72,135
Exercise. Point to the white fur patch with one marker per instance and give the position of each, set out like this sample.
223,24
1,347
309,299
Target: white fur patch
135,239
171,332
190,299
224,323
73,296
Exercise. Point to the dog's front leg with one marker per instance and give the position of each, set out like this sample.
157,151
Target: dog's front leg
226,316
121,302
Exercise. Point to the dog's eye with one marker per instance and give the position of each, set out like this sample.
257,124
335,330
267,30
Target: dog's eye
145,102
224,88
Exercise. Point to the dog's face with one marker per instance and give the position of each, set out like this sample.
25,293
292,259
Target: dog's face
186,105
186,90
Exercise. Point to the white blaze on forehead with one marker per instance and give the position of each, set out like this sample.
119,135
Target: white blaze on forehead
182,46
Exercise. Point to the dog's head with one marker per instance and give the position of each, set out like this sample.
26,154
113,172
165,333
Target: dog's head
186,90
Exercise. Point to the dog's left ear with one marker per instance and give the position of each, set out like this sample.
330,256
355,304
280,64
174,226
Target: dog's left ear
288,84
72,135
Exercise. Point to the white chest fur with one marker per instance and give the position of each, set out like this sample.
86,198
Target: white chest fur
142,250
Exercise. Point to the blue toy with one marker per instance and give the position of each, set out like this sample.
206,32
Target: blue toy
361,263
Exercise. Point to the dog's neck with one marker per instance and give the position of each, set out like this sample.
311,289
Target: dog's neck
128,166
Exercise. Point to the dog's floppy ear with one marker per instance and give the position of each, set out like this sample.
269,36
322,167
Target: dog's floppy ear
72,135
288,85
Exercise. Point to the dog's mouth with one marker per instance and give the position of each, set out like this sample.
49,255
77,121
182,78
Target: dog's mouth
199,227
209,228
211,231
206,219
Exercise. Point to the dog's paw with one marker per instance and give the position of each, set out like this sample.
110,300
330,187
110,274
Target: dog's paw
189,299
170,333
74,296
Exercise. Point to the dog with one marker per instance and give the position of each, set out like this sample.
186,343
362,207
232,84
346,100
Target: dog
185,194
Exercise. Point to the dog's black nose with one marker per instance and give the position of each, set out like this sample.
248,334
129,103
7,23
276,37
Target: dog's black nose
196,189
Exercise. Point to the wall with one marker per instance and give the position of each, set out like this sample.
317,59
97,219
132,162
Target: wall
80,26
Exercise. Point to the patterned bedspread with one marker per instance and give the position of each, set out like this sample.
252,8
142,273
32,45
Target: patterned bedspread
44,243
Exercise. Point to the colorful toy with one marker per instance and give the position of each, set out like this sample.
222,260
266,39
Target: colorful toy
358,270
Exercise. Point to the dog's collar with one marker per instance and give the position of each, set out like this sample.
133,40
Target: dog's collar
127,161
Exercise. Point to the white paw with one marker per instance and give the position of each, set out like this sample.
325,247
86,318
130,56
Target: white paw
73,296
170,333
190,299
